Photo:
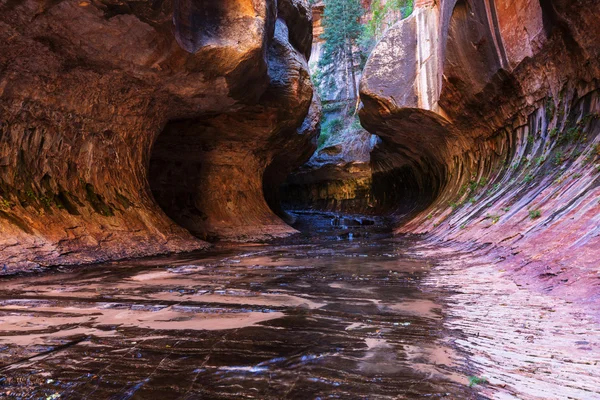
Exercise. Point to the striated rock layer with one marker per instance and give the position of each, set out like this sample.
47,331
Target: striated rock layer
112,112
489,118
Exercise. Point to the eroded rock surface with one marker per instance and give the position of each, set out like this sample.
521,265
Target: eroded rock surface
490,111
107,106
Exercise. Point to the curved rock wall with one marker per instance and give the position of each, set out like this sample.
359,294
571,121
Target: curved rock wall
494,109
103,103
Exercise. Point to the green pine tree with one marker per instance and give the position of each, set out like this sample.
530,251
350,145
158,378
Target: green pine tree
342,29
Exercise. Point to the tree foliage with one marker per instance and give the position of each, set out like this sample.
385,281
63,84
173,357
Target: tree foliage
384,15
341,30
347,43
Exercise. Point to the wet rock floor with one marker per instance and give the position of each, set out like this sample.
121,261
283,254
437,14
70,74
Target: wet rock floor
342,311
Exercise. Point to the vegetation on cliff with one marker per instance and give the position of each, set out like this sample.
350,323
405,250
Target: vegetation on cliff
351,28
342,29
381,15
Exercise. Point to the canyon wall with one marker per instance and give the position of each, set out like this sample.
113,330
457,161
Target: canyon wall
489,119
338,178
135,128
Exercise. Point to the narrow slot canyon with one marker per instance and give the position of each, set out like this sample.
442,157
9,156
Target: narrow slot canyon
300,199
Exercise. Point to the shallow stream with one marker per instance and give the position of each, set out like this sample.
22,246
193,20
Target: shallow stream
339,311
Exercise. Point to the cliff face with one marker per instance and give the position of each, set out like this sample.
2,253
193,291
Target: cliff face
112,112
339,176
489,116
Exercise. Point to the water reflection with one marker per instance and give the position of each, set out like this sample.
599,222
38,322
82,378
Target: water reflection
312,316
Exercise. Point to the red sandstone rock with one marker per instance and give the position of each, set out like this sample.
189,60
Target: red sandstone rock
86,88
489,112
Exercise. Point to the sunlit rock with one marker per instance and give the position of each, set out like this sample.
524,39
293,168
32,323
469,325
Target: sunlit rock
110,107
491,111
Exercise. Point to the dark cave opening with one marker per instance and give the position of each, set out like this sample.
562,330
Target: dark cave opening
175,170
389,185
206,179
207,184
